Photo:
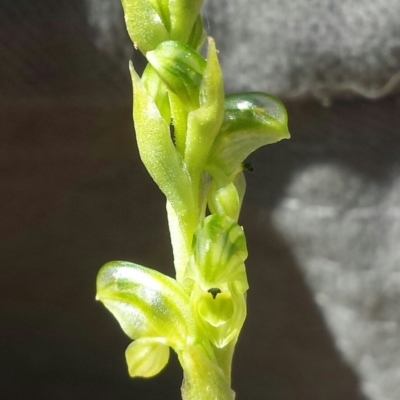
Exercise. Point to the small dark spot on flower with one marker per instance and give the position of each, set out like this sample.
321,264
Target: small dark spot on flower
214,292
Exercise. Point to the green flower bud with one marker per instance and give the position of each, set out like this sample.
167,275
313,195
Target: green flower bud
146,303
181,68
225,194
251,120
196,98
151,22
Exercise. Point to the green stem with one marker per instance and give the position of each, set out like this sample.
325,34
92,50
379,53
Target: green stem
203,377
224,358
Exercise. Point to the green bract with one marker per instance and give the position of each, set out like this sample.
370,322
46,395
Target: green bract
193,140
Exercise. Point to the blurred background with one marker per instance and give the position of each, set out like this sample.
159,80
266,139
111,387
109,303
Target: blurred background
321,214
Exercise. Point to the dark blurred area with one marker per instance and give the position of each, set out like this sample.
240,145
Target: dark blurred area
75,195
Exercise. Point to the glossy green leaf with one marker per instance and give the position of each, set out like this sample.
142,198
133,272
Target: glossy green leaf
146,357
145,302
251,120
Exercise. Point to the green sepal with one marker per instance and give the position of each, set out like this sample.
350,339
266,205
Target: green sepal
159,154
204,123
218,254
145,302
181,68
251,120
145,26
147,356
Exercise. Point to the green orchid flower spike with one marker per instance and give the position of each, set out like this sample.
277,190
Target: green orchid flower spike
194,141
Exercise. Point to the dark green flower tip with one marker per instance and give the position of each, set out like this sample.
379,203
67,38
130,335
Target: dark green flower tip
251,120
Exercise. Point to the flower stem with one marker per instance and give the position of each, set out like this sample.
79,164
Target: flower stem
203,377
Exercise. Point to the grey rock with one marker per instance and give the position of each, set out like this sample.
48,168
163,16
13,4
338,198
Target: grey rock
308,46
322,48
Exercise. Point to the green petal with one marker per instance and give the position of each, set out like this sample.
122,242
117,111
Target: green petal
221,318
251,120
215,306
146,357
145,302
